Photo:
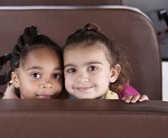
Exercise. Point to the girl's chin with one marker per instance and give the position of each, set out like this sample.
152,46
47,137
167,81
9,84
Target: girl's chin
44,97
89,97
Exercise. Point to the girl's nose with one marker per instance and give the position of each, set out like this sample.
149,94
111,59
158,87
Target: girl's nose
82,80
82,77
46,85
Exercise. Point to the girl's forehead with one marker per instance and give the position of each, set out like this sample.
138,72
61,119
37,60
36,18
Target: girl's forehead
86,46
85,54
82,52
41,51
40,54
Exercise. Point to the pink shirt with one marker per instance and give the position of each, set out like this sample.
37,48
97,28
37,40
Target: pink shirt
128,91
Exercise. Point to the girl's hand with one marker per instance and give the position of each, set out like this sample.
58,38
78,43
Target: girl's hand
135,98
10,93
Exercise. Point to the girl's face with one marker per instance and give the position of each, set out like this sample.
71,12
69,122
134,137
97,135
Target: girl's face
87,71
40,76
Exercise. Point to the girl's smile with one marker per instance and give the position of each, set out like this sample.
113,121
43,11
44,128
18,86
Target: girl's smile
83,89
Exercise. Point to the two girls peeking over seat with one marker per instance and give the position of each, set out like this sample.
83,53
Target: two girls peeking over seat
94,68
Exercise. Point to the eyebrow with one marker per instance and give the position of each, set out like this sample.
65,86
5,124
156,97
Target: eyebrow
87,63
40,68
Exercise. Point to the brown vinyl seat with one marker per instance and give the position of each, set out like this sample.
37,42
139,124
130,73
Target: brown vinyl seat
127,26
83,119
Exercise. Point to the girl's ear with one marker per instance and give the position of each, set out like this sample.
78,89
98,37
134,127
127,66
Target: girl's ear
115,71
15,79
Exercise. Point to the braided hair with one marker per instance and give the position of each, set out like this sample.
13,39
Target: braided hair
5,77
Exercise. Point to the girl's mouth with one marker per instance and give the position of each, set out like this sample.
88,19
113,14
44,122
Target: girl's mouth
83,89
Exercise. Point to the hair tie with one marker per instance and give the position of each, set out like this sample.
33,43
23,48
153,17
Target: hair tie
91,27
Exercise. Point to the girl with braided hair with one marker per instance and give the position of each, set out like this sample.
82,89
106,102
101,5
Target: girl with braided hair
36,66
94,67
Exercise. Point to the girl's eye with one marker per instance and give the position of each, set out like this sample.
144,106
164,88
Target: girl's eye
72,70
92,68
35,75
57,76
